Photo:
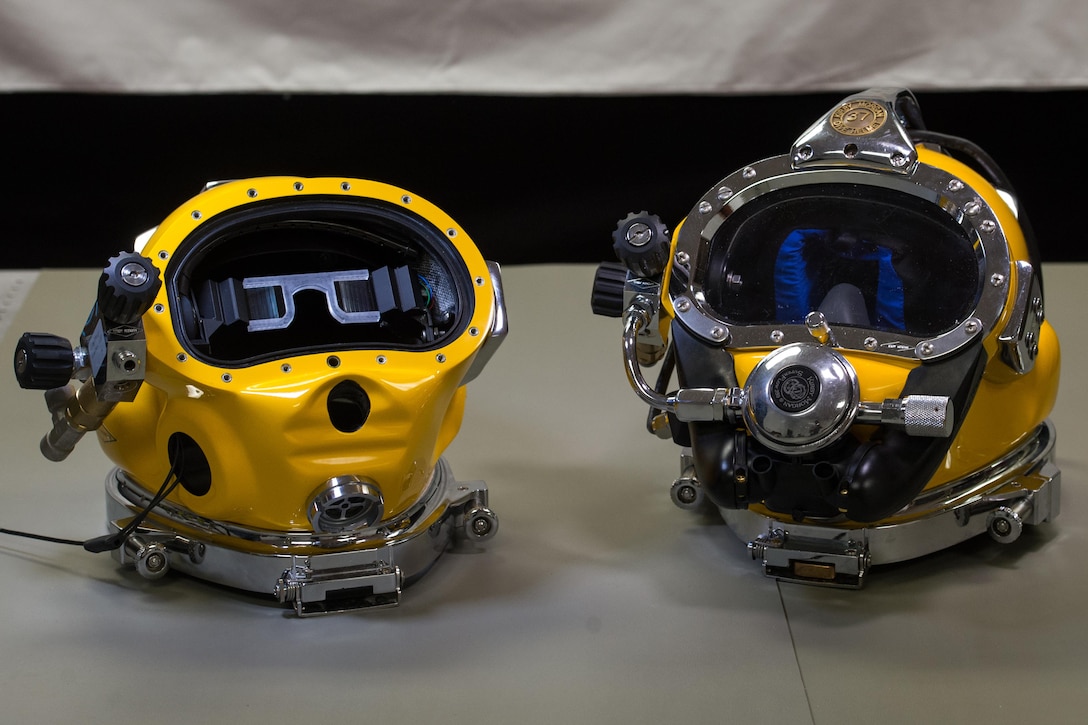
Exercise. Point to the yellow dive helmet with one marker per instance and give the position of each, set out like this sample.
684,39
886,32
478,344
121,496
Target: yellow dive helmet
857,331
288,357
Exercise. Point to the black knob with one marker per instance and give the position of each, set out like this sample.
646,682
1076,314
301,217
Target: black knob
608,282
43,361
641,242
127,287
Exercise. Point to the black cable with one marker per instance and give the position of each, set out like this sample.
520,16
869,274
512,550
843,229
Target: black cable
41,537
982,160
109,542
906,105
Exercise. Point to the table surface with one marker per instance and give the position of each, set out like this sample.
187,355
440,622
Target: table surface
598,601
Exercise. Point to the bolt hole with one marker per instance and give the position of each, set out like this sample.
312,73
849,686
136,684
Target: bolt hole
850,150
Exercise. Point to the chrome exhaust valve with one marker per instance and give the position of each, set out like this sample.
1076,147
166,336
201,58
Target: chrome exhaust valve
856,328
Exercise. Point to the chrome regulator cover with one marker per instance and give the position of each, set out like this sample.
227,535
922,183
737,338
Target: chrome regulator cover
800,398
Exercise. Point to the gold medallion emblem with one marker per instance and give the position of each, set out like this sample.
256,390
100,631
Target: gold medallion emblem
858,118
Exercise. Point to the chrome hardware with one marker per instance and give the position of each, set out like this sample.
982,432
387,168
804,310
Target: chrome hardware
800,398
1006,523
1008,510
481,524
864,130
149,557
1020,338
817,326
646,295
689,404
686,491
499,327
134,275
125,362
375,585
931,416
689,286
475,521
345,503
838,561
639,234
355,569
150,550
1021,489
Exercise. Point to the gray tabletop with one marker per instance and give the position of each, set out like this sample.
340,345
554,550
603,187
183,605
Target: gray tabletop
598,601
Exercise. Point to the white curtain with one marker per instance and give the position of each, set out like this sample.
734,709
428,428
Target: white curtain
540,46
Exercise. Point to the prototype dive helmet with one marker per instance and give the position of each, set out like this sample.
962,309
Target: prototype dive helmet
288,357
857,332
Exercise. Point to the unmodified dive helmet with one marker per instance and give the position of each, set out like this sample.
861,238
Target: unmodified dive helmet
857,331
289,357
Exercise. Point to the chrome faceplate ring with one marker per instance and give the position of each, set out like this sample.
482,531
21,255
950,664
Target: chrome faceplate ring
688,286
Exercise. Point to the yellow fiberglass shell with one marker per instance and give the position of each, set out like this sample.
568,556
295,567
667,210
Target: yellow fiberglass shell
1007,406
265,427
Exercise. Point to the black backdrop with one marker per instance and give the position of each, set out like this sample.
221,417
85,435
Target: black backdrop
531,178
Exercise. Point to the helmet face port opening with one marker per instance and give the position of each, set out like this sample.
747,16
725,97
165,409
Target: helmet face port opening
348,406
283,277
